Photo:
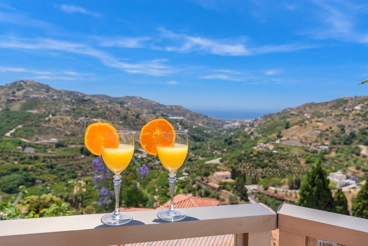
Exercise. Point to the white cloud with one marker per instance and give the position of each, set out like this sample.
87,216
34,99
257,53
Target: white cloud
226,71
280,81
22,70
273,72
12,69
124,42
56,78
191,43
76,9
224,47
280,48
6,6
153,67
220,77
172,82
59,75
21,19
340,20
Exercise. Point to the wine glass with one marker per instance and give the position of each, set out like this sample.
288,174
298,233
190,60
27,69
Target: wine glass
117,159
172,157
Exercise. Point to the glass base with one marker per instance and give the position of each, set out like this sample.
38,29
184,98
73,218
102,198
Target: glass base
113,220
176,215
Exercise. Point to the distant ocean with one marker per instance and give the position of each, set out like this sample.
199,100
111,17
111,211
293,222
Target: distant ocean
234,115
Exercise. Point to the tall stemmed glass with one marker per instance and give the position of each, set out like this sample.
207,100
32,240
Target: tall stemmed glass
117,159
172,158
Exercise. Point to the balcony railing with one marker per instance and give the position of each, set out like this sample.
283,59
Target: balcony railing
304,226
251,224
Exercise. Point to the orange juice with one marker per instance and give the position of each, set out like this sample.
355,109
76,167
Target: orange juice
118,159
172,157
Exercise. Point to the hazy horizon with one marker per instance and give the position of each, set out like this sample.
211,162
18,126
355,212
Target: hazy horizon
238,55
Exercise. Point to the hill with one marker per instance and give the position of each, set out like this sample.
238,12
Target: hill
285,144
46,113
41,144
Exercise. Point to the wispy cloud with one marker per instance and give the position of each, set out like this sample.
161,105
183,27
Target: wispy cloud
18,18
280,81
172,82
61,75
226,47
70,9
155,67
220,77
340,20
226,71
273,72
6,6
281,48
56,78
21,70
205,45
124,42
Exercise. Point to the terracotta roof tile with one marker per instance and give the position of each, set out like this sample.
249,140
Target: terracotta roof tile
182,201
221,240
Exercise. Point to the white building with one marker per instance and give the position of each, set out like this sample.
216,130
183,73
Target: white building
340,179
233,125
223,175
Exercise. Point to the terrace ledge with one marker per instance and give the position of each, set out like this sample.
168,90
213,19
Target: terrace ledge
251,224
300,226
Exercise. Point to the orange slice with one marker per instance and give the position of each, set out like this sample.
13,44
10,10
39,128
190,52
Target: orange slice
150,134
98,134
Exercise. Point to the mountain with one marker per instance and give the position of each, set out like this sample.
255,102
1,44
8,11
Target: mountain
312,122
63,114
285,144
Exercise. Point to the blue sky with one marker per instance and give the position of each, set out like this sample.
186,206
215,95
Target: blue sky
209,55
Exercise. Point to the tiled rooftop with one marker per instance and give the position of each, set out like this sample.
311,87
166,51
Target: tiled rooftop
221,240
183,201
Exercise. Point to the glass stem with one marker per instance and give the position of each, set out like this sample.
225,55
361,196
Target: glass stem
117,184
172,180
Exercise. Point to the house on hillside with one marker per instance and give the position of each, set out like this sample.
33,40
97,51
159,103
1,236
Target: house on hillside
359,107
322,147
29,150
340,179
83,118
223,175
233,125
214,186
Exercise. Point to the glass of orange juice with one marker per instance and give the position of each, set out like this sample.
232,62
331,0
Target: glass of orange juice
172,157
117,159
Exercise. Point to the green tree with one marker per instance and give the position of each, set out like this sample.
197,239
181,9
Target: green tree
341,203
360,204
11,183
9,211
332,185
240,188
363,82
45,205
287,125
233,199
314,191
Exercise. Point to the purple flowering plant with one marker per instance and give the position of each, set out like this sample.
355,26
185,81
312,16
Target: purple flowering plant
101,176
102,179
142,171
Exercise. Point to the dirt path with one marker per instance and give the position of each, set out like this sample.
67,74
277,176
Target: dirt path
364,150
8,134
